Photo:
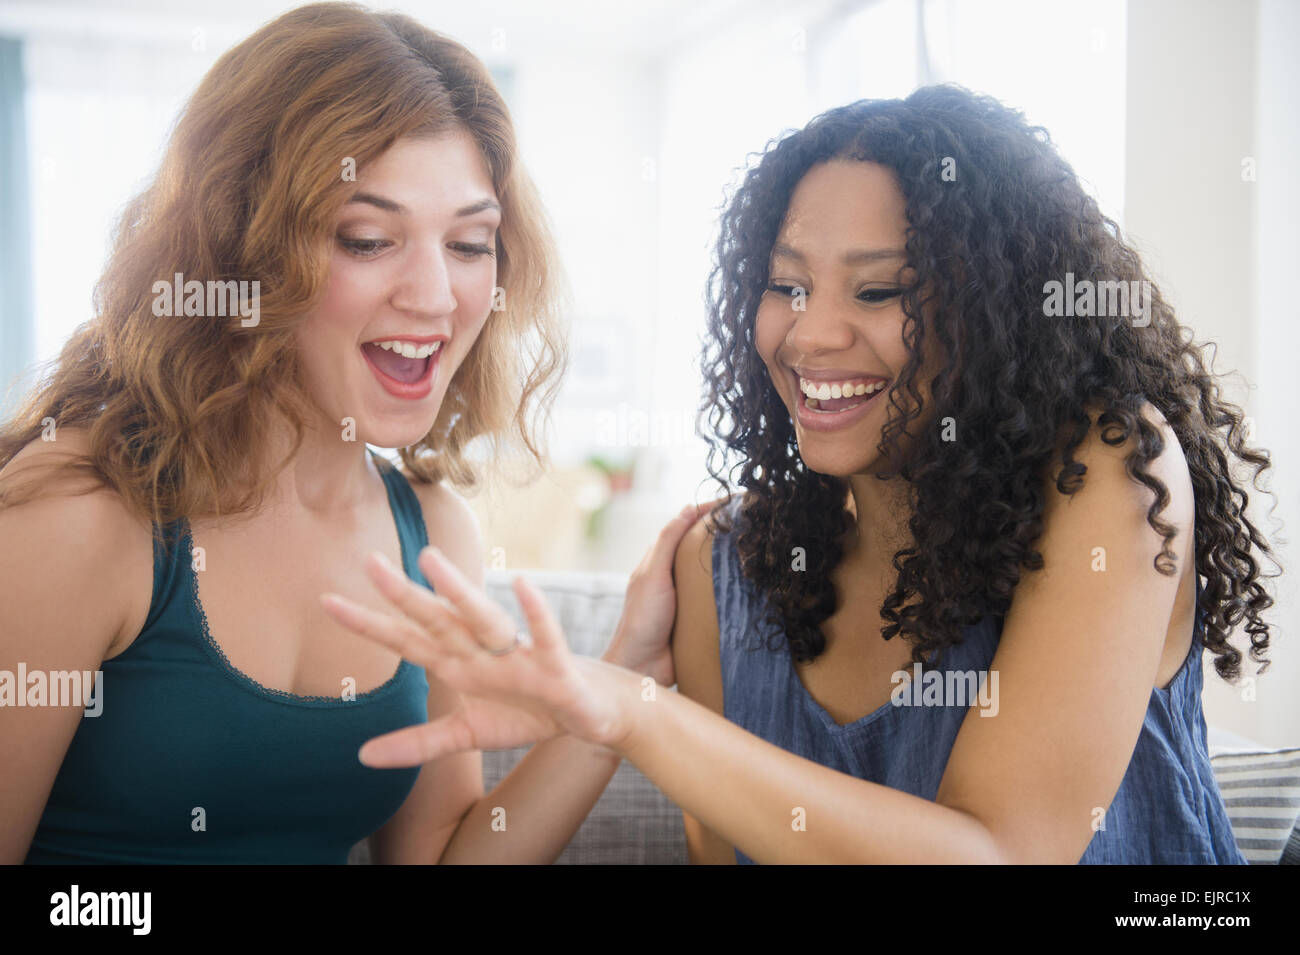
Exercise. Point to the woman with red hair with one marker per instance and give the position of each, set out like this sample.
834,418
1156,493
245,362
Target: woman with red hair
186,481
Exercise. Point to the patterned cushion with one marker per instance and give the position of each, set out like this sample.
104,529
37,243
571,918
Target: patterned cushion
1261,791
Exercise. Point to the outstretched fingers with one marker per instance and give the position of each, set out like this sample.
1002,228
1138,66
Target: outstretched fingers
542,626
396,633
428,611
490,626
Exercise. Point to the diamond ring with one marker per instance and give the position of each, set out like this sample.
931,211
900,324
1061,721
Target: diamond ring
520,639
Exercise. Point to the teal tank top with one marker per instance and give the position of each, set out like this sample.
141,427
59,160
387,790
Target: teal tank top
192,761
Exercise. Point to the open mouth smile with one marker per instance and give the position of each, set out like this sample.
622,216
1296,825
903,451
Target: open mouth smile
404,367
831,404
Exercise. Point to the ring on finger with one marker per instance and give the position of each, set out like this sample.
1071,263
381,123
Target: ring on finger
521,639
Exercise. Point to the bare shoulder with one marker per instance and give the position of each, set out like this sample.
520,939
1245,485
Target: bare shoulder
39,461
1108,521
693,578
451,526
75,536
696,658
69,503
694,557
1105,457
1103,436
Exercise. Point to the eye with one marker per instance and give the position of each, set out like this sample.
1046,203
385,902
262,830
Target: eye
779,289
364,248
473,251
875,296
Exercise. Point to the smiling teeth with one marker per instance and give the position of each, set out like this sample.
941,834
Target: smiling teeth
847,389
409,349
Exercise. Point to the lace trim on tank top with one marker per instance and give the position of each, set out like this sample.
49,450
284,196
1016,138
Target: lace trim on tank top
240,676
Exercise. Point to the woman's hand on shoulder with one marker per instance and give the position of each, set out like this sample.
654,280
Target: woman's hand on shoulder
642,638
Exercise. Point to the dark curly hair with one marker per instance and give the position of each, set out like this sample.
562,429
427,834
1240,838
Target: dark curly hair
981,249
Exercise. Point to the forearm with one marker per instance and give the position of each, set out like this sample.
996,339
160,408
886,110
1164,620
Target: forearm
777,807
535,810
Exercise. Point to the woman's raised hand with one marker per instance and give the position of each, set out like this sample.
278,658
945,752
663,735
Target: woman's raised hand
530,693
512,695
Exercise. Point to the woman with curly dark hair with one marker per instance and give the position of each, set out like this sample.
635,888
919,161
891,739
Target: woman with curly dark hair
989,525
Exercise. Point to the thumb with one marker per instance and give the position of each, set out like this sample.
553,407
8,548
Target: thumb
420,744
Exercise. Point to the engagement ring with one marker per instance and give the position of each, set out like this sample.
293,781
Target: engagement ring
521,638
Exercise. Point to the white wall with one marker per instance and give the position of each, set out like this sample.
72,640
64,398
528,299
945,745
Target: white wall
1209,84
1275,715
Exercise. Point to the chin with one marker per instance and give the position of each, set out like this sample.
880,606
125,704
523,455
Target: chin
836,465
394,435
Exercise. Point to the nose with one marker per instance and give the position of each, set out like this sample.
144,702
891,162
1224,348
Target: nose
821,326
425,287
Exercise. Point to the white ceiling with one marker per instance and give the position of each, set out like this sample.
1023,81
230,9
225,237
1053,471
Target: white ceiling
497,31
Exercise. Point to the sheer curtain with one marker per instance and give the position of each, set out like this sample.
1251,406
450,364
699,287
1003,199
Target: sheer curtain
99,109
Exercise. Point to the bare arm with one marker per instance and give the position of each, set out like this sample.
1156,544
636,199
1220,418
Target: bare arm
698,664
58,546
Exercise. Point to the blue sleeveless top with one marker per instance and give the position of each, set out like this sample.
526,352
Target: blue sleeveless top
1168,809
275,775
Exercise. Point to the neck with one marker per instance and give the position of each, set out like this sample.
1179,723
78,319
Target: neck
325,475
881,511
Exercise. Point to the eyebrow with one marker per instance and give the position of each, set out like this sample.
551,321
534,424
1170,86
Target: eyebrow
388,205
855,257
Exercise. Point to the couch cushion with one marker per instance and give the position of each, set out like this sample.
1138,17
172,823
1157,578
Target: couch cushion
587,605
1261,791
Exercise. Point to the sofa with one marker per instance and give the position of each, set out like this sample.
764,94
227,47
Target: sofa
634,823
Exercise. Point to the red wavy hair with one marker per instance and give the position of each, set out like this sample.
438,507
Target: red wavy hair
178,411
